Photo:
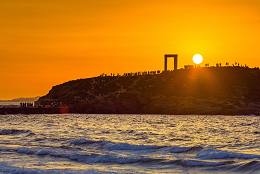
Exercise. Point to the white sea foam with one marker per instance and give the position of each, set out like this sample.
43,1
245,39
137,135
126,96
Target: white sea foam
80,156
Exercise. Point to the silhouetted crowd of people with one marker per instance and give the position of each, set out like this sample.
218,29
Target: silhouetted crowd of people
26,105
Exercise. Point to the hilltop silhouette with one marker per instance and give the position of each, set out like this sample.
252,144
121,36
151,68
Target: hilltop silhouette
215,90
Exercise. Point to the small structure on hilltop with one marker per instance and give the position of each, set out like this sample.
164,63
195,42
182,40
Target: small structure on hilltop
175,57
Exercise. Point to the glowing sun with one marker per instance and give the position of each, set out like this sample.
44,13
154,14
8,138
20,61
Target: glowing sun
197,59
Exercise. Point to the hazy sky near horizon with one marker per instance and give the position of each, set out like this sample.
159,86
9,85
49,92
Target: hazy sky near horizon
47,42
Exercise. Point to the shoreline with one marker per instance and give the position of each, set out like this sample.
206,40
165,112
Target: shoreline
64,110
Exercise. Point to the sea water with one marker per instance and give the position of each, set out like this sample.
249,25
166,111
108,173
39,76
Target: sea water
129,144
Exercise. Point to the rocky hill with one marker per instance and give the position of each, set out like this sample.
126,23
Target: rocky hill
223,90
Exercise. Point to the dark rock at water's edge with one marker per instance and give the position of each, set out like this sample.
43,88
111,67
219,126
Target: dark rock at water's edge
222,90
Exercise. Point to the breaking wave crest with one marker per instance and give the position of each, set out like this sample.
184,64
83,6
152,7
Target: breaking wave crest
131,147
83,157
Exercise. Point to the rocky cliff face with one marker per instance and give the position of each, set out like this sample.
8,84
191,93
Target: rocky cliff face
227,90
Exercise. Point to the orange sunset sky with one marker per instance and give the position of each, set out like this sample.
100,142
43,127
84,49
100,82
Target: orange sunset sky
48,42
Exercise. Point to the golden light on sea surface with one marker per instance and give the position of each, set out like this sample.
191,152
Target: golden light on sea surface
197,59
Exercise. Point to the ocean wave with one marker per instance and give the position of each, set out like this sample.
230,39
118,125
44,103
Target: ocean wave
113,159
219,154
92,158
251,165
84,158
5,168
14,132
83,141
179,149
24,150
226,166
201,163
132,147
108,159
